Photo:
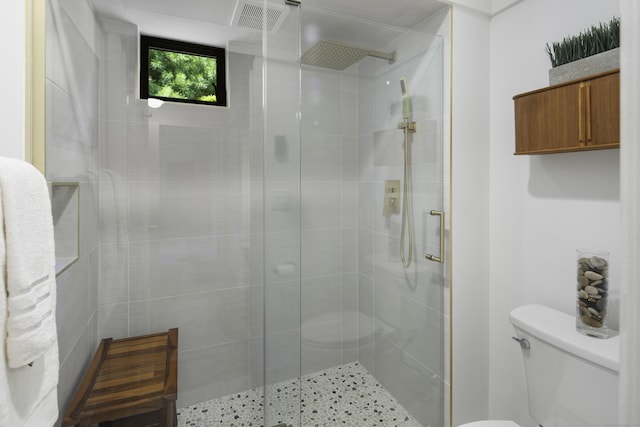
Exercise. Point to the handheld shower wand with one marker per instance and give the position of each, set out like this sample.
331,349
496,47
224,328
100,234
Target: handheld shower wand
406,100
407,220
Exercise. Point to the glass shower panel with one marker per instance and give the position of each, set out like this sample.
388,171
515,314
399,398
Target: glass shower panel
177,235
370,327
281,216
406,303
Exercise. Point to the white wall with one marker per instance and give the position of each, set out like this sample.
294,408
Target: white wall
470,214
542,207
12,27
630,317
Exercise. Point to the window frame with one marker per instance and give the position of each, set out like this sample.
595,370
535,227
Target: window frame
158,43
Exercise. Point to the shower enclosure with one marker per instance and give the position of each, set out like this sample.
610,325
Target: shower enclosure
269,231
336,292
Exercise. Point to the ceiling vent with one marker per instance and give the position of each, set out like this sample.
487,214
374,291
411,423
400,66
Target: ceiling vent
250,14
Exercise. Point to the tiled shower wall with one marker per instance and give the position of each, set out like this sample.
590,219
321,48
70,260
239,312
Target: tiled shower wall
328,218
182,222
73,38
175,220
311,204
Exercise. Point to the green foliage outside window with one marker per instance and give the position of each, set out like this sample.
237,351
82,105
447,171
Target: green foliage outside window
182,76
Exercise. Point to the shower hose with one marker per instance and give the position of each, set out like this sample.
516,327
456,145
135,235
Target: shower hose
407,222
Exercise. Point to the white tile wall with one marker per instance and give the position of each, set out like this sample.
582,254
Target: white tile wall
275,172
72,58
113,320
328,215
204,319
72,83
320,296
411,326
71,137
281,305
282,356
409,382
349,146
175,223
320,252
167,268
114,273
213,371
319,357
256,361
72,308
349,249
72,368
321,157
89,220
320,205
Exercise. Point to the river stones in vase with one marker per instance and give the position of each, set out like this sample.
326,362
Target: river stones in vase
592,287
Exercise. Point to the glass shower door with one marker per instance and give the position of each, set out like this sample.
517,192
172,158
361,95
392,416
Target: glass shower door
281,218
372,323
405,302
351,330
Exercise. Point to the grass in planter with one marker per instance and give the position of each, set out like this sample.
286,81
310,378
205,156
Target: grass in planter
590,42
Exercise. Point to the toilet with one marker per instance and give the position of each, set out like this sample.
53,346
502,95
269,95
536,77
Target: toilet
317,338
572,379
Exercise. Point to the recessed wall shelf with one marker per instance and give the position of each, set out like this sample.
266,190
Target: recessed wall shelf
65,208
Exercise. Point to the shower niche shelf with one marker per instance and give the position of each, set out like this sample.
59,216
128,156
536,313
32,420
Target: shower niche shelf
578,115
65,209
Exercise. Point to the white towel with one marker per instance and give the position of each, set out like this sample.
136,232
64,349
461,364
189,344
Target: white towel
28,395
30,262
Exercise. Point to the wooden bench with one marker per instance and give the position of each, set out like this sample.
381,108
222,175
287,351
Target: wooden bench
130,382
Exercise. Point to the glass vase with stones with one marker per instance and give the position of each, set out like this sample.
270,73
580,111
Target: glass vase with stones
593,292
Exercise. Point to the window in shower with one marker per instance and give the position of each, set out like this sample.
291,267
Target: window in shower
172,70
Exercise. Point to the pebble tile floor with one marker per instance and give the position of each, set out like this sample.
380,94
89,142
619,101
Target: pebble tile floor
346,395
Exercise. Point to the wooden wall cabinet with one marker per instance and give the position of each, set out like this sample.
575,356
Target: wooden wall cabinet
572,116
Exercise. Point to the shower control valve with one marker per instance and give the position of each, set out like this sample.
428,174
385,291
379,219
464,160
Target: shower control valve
391,197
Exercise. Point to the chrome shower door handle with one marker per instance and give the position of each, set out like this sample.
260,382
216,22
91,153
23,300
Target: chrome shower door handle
441,257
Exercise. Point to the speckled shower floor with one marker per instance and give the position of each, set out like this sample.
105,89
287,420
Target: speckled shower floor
346,395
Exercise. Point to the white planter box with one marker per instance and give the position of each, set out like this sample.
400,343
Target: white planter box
588,66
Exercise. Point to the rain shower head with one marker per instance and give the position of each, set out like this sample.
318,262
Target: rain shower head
340,56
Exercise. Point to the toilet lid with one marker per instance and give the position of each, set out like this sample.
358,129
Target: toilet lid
491,423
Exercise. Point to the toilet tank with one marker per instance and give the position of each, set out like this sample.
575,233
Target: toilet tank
572,379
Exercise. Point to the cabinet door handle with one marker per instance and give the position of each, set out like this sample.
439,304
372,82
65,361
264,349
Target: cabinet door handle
581,114
588,111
